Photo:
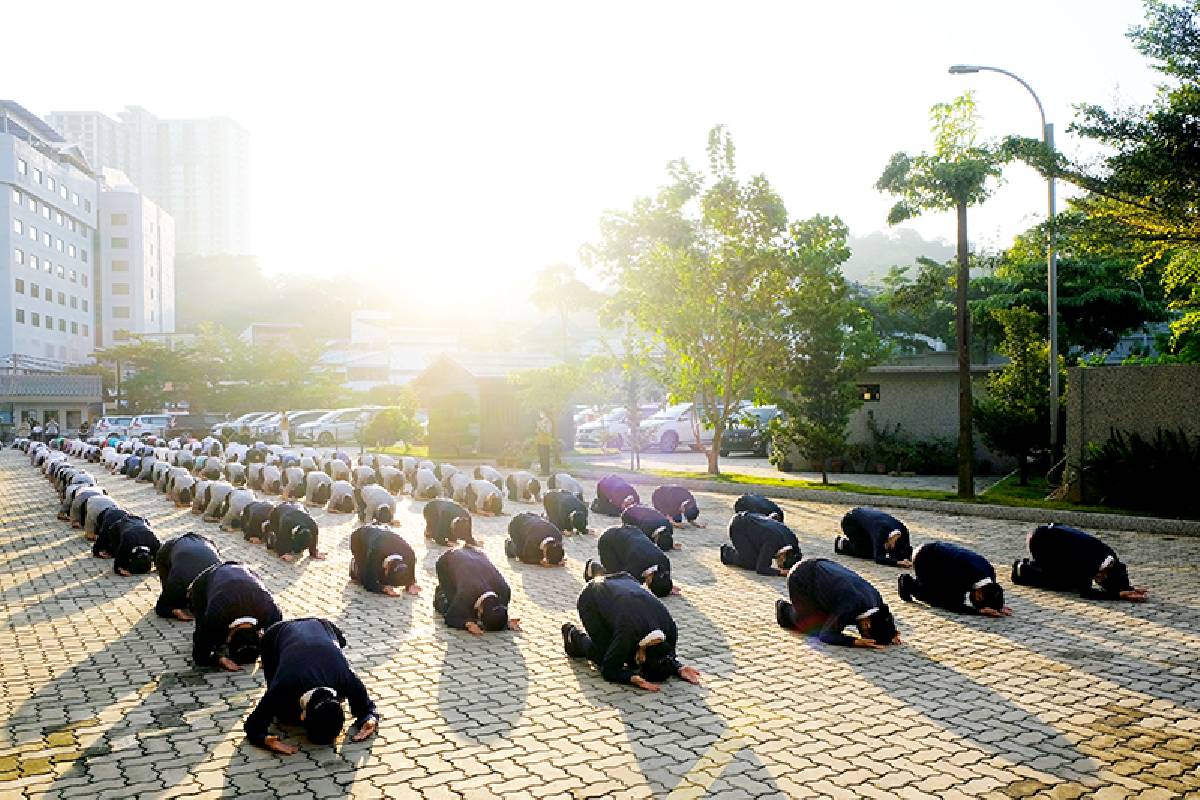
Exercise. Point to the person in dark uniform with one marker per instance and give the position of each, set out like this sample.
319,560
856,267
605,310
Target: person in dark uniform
381,560
1066,559
677,504
613,495
626,549
760,543
826,597
317,487
566,511
178,562
655,525
341,498
562,481
870,533
757,504
954,578
471,593
483,498
523,487
291,531
534,540
232,608
627,632
426,485
255,518
127,540
308,678
446,521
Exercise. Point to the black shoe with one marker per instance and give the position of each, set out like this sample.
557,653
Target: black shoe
725,554
904,587
568,647
440,601
1016,572
589,570
509,550
785,614
839,545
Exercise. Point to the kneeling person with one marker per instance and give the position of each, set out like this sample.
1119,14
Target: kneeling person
870,533
627,549
381,560
471,593
308,679
232,608
678,504
179,561
534,540
1067,559
446,521
291,531
952,577
826,597
760,543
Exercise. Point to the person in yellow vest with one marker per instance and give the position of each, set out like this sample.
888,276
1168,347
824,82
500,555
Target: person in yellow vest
284,430
545,438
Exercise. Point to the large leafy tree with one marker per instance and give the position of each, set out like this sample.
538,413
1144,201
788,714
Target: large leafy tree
1142,195
830,341
699,268
1013,417
959,173
557,288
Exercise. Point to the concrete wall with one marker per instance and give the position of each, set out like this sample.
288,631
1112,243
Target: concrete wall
1136,399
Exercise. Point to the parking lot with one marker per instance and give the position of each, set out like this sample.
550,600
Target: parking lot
1067,698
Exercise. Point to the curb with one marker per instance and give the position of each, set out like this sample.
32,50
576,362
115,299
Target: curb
1081,519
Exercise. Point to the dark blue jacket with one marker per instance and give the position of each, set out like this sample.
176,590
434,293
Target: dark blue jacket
836,593
463,575
669,499
627,549
299,655
868,530
611,493
528,531
655,525
220,595
1069,557
618,612
438,516
948,572
369,546
178,562
757,539
566,511
757,504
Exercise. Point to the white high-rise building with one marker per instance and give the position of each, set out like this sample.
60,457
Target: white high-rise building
48,210
196,169
137,263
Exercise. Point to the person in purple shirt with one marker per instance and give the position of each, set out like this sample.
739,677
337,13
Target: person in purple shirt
678,504
613,495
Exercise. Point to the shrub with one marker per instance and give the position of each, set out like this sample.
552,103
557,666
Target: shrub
1160,475
903,453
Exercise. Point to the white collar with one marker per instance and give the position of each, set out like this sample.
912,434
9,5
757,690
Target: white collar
483,597
1106,563
304,698
867,613
391,559
650,571
981,583
243,621
652,638
787,548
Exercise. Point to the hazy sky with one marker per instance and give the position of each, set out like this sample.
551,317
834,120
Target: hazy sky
464,145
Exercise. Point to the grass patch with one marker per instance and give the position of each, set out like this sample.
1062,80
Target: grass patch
1005,492
414,450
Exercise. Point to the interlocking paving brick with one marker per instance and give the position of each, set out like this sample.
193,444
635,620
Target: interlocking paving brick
1066,699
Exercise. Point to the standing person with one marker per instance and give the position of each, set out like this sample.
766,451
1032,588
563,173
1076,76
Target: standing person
308,678
285,430
545,438
52,428
38,432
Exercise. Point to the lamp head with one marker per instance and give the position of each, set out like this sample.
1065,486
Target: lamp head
963,69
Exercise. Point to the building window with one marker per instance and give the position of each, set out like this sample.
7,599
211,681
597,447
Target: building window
20,315
32,232
33,261
58,217
50,184
84,279
120,266
119,219
71,250
19,256
62,299
22,167
16,196
75,198
120,312
85,329
37,175
62,191
47,239
58,244
47,266
120,288
35,319
62,325
29,201
120,241
49,322
74,301
35,290
83,255
18,226
74,276
87,205
120,335
84,304
75,327
152,316
46,212
869,392
20,284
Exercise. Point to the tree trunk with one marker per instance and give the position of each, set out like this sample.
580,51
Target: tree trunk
1023,469
824,474
714,453
966,481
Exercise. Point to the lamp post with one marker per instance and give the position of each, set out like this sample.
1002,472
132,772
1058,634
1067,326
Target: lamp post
1051,252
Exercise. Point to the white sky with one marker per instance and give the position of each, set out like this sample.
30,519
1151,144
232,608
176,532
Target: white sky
459,146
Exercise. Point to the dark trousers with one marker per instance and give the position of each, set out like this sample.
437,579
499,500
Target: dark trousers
544,458
801,614
847,547
591,642
1028,572
932,595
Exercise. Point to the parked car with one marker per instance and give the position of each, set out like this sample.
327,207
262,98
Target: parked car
749,431
673,426
611,430
195,425
267,428
342,425
106,426
150,425
233,428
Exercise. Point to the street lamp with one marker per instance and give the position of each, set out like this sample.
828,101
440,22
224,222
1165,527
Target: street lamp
1051,254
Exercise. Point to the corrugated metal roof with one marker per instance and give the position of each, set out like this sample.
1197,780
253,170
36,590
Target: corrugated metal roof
83,387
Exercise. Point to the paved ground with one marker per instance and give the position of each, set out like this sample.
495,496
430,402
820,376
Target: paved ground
689,461
1068,698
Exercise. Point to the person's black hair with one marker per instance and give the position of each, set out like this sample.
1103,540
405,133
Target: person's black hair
244,645
383,514
324,718
321,494
693,511
665,539
393,574
140,560
554,552
493,503
578,520
347,504
1116,578
661,583
301,539
792,558
659,664
991,595
883,625
493,616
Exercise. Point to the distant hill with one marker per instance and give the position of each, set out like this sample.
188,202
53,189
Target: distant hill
871,256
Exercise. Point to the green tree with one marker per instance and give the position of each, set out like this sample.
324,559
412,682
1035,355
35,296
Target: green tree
1013,418
830,342
453,424
551,390
557,288
391,425
700,270
959,173
1141,197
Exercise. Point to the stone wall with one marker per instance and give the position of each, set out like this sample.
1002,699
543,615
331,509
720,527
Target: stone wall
1135,399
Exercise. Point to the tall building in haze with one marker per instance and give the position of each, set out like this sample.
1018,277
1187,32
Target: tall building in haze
195,169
